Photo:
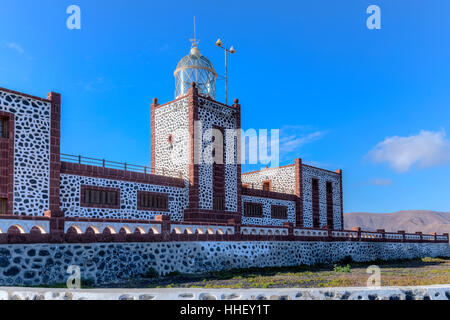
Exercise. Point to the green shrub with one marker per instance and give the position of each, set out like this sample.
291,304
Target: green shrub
346,269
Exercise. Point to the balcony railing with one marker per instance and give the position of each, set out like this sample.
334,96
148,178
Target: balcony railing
120,165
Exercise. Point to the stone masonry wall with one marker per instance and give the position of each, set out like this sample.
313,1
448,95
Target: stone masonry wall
105,262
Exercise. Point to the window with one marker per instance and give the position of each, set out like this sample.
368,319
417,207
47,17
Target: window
4,127
330,221
219,203
152,201
279,212
3,206
315,203
253,209
245,185
266,185
98,197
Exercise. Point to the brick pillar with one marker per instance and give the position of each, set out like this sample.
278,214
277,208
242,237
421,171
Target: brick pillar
342,198
55,162
194,157
383,233
153,107
57,222
299,193
290,227
165,226
402,232
237,106
358,229
421,235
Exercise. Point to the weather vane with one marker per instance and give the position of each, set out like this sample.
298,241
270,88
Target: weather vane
194,41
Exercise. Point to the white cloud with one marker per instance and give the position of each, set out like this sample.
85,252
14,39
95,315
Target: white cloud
424,150
16,47
294,137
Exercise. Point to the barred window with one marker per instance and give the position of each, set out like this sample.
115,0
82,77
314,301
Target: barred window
3,127
98,197
219,203
279,212
253,209
153,201
3,206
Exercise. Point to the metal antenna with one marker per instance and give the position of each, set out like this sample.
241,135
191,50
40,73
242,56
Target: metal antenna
194,41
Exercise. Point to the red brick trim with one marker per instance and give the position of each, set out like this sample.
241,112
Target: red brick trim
268,194
120,175
299,193
24,95
170,102
104,206
7,163
286,166
325,170
342,198
237,106
210,216
55,139
153,107
265,182
193,165
140,207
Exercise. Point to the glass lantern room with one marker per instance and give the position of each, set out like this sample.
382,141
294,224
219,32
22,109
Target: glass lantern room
195,68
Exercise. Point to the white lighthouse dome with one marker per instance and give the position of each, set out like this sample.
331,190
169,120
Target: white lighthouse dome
195,68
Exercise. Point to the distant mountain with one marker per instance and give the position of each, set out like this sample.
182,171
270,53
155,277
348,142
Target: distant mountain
410,221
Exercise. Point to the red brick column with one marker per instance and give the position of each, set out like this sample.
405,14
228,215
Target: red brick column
299,192
193,165
402,232
55,138
165,226
7,163
342,198
153,106
383,234
237,106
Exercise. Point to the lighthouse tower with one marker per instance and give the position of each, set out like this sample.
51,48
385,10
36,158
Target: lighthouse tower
197,137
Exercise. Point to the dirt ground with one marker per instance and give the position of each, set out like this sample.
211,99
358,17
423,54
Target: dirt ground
427,271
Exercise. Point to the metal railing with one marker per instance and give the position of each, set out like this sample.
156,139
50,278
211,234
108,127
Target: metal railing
120,165
272,189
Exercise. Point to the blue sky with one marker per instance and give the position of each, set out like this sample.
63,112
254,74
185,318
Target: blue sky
374,103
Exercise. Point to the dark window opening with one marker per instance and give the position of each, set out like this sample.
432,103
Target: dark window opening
153,201
330,221
4,127
219,203
315,203
101,197
3,206
266,185
253,209
279,212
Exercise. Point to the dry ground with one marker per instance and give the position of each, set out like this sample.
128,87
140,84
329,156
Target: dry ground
416,272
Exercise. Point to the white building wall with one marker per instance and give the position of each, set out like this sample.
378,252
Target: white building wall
31,152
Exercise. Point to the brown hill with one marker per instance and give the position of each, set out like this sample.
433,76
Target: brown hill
410,221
